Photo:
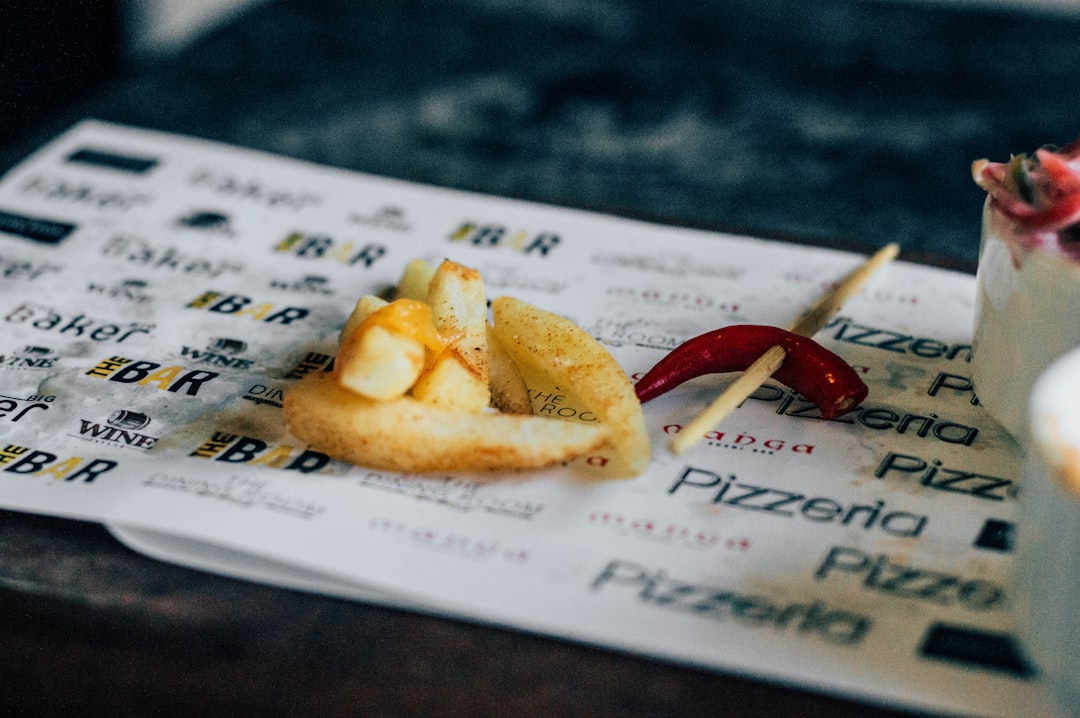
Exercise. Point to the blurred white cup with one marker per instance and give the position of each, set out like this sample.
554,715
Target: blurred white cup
1047,590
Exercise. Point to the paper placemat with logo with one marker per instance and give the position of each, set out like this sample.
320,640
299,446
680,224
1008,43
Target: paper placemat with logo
160,293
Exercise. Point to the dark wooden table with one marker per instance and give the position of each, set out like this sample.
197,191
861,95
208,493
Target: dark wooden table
89,628
836,122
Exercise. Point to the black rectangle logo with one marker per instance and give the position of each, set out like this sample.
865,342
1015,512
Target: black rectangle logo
47,231
976,648
113,161
996,535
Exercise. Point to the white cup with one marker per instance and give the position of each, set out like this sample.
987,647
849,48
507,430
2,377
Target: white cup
1047,585
1027,314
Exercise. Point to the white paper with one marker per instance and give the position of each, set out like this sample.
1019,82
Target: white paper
159,293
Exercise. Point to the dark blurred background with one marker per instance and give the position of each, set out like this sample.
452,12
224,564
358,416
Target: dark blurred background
851,122
53,53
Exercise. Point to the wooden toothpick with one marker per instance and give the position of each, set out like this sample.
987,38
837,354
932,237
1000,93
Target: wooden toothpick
764,366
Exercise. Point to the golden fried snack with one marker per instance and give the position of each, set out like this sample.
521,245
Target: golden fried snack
409,435
415,280
414,379
545,345
383,356
365,306
507,386
457,377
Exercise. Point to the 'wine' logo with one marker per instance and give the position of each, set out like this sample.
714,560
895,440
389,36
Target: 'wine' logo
121,429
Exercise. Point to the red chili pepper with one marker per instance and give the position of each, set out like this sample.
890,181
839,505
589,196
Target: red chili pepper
809,368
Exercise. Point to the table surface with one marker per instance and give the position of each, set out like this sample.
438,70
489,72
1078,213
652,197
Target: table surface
846,123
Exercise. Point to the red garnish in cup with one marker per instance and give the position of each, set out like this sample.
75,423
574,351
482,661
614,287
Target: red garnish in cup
1038,195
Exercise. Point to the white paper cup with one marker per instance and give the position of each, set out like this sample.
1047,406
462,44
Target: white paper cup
1027,314
1047,591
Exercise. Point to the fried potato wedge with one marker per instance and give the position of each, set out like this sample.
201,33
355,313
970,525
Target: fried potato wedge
409,435
543,344
507,386
459,377
379,364
459,312
449,382
365,306
384,355
415,280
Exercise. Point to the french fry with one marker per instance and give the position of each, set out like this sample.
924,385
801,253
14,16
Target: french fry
414,436
545,344
459,376
415,280
382,357
365,306
507,386
459,313
449,382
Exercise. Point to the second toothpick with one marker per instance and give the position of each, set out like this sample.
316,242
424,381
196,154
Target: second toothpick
758,372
